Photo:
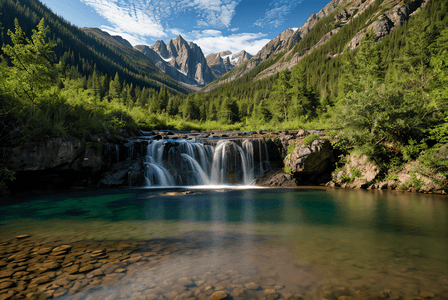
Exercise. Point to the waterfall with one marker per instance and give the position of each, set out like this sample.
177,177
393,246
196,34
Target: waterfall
205,162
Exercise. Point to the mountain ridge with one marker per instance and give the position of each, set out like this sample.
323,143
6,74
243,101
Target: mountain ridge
340,13
181,60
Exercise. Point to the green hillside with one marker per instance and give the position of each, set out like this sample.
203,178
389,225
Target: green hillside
75,47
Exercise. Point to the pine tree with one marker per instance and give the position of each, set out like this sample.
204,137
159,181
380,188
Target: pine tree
115,88
32,71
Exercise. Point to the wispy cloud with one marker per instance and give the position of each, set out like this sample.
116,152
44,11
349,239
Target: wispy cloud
130,18
275,15
211,42
144,18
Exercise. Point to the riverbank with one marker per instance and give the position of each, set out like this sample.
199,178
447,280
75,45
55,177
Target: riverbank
297,158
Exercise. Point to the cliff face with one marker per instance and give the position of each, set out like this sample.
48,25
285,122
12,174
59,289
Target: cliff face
181,60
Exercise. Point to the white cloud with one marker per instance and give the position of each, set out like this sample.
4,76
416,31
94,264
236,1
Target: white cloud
144,18
234,29
128,17
134,40
176,31
274,17
251,42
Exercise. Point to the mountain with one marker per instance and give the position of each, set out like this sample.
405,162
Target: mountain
220,63
225,61
240,57
181,60
86,49
290,46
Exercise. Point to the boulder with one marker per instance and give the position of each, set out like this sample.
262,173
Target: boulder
276,179
309,163
359,169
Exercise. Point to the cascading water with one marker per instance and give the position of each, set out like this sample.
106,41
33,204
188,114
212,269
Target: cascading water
205,162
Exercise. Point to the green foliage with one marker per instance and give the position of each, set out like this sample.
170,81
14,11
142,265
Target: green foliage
310,138
405,186
355,173
32,71
413,150
436,159
291,147
391,176
5,175
417,183
288,169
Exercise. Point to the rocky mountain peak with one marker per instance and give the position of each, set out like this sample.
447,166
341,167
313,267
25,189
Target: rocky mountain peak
181,60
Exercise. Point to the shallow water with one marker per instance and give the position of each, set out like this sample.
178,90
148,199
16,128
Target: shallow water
304,239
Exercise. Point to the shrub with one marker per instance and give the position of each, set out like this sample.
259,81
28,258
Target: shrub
436,159
291,147
311,138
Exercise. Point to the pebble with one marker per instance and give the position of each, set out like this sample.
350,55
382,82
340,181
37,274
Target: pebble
5,284
269,291
86,268
40,280
218,295
252,286
50,271
23,236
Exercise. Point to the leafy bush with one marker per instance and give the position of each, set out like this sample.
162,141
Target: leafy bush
291,147
355,173
436,159
412,150
5,174
288,169
417,183
311,138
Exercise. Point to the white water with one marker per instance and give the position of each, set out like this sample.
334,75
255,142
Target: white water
191,163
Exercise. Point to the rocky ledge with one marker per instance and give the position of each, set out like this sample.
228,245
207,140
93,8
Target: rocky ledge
359,172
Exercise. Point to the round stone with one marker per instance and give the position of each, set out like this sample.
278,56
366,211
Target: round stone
218,295
252,286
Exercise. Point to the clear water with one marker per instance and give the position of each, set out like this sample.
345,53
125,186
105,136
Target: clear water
309,238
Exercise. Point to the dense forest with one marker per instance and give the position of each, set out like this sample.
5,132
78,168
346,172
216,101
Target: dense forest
387,98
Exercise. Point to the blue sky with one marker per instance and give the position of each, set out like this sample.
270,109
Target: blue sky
215,25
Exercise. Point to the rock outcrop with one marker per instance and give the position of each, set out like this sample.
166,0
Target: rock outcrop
387,22
181,60
311,164
410,179
65,162
358,172
64,153
129,173
277,178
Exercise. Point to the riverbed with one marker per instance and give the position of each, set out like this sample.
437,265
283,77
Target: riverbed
246,243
